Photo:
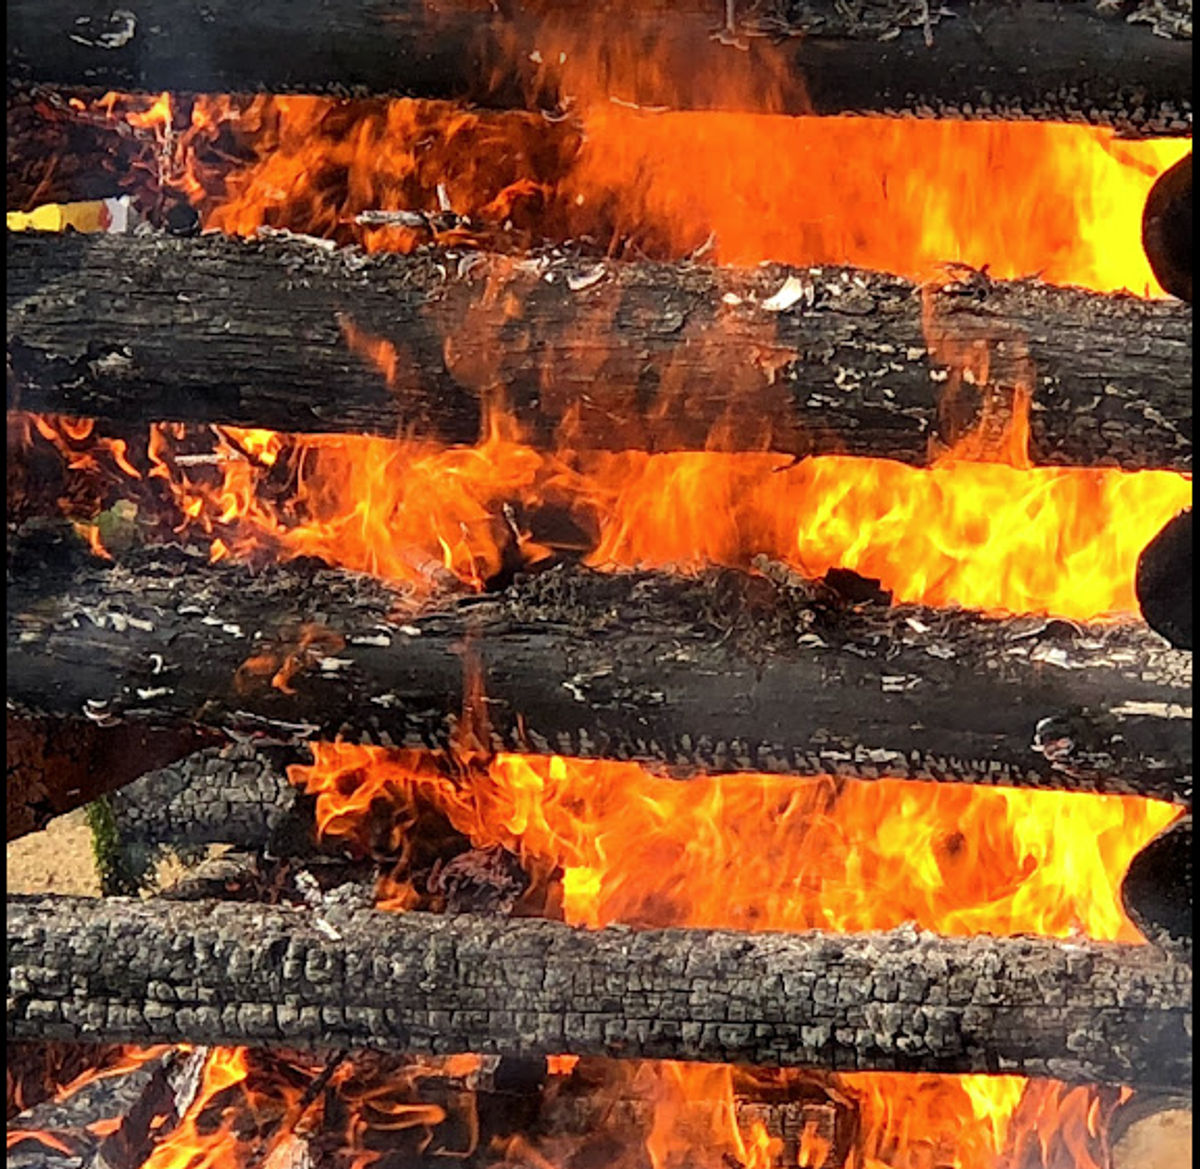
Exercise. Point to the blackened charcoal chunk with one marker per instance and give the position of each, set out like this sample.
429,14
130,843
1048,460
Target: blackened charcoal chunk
1157,890
1164,581
852,589
182,219
482,880
1167,229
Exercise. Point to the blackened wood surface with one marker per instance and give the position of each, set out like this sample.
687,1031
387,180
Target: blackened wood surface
1028,59
141,1102
1167,229
723,673
644,356
60,763
232,795
1164,581
248,974
1157,890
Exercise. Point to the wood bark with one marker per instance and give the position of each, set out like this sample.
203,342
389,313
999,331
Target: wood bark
144,1101
724,672
1029,59
245,974
232,795
644,356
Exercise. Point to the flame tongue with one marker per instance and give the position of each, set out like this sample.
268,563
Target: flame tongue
900,195
984,535
754,851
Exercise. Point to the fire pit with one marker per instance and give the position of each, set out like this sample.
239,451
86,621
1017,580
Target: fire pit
652,538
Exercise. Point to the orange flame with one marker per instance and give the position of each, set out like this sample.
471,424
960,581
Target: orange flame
190,1146
762,852
898,195
985,535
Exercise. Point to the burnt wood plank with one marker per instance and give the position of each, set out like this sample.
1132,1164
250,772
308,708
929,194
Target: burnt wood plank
247,974
725,672
642,356
967,58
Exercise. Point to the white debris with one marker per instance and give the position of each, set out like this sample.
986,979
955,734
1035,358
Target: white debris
578,282
153,692
1154,709
119,37
793,290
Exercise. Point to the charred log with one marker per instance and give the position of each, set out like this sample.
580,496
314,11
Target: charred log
36,1071
1076,62
1157,890
1164,581
235,795
66,761
724,672
634,355
237,974
1167,229
145,1101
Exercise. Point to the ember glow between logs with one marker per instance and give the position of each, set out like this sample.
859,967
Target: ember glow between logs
616,843
1062,202
754,852
984,535
258,1109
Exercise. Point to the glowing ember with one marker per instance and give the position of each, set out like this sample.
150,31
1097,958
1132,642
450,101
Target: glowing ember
278,1111
1060,201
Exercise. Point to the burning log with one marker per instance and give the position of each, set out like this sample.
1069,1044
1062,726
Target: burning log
238,974
1157,890
629,355
233,795
723,672
1077,62
112,1121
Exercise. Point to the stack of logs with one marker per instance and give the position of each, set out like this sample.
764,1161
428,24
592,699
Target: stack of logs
116,669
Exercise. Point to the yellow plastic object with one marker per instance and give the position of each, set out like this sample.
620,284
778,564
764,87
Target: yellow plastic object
93,216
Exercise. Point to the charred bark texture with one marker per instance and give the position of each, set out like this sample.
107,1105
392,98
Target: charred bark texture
1157,890
63,762
143,1101
636,355
1030,59
238,974
721,673
233,795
